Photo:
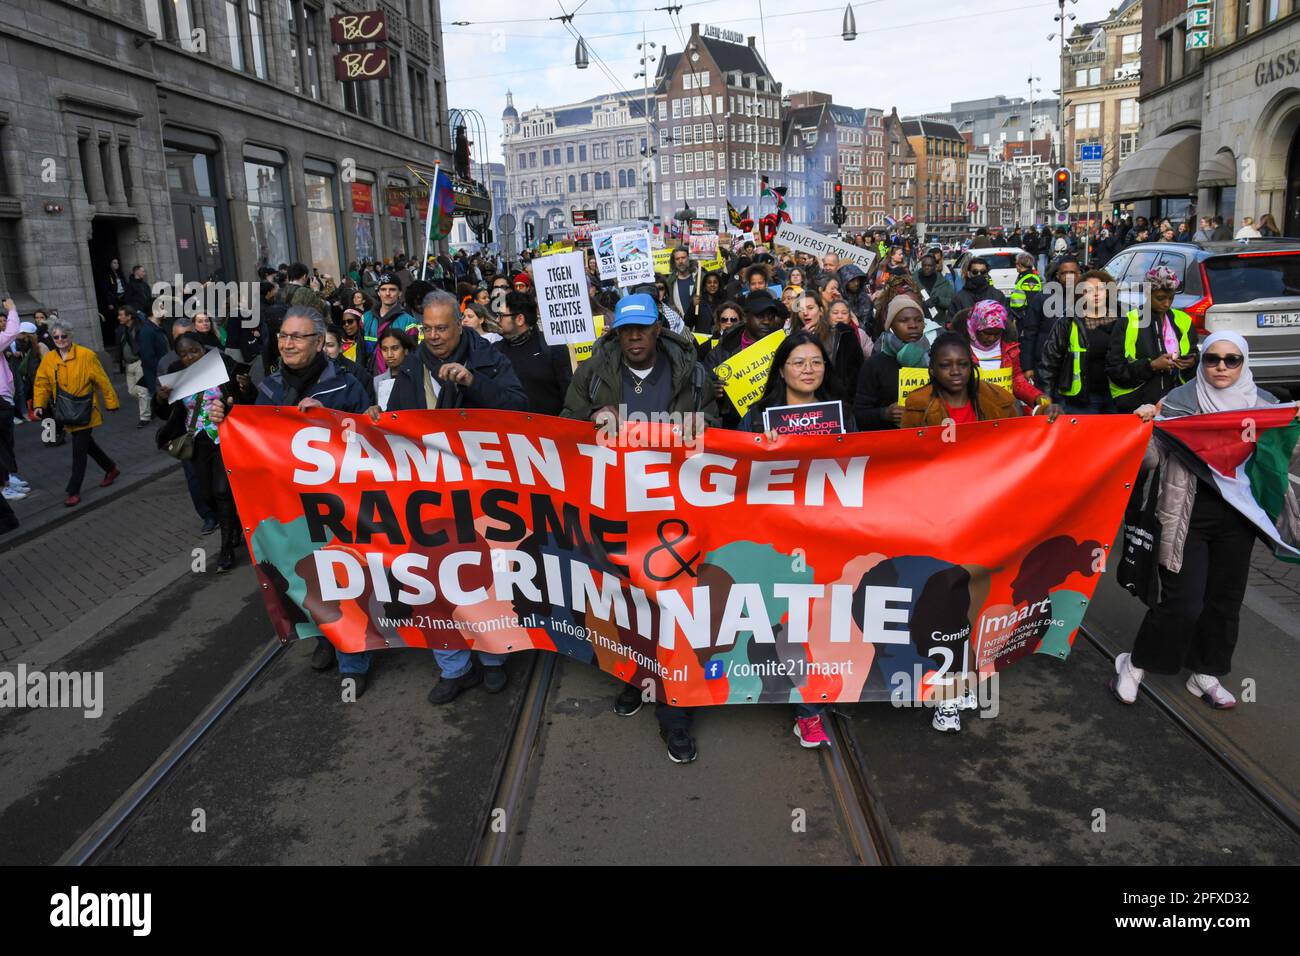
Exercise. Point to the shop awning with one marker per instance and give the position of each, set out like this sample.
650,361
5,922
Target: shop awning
1166,166
1219,170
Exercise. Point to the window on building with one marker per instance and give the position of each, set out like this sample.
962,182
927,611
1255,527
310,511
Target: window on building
1128,112
1087,116
323,222
663,110
1130,44
268,210
418,83
582,156
584,182
572,184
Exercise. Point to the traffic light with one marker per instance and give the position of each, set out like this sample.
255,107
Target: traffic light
1061,187
528,233
838,213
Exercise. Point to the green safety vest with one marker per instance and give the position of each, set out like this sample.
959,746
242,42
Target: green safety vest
1076,382
1029,282
1182,322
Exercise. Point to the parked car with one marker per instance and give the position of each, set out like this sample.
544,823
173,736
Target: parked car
1248,286
1002,265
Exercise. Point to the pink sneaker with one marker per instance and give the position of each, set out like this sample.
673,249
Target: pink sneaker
810,732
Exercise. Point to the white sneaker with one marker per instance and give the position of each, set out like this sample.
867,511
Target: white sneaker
947,719
1214,693
16,482
13,494
967,701
1127,679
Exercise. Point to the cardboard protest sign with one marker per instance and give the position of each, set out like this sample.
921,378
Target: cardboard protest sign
818,418
910,379
602,244
563,302
813,243
633,254
744,375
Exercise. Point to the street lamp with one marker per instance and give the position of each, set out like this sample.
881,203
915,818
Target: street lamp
850,31
580,55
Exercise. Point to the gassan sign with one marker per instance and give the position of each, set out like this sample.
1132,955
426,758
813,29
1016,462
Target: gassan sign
1278,67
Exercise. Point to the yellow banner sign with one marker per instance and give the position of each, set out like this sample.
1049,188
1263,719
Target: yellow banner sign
714,264
910,379
581,351
744,375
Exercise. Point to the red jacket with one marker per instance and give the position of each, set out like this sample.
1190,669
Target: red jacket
1021,387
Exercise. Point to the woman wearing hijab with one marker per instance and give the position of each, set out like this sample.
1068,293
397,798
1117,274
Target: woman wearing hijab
1205,543
901,345
993,347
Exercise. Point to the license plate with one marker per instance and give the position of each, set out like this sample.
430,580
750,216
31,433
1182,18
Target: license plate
1278,320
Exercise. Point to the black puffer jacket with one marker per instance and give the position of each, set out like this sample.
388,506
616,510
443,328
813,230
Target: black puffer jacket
494,384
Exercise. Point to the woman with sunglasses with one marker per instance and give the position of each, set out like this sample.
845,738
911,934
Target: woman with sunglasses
727,317
74,370
1204,545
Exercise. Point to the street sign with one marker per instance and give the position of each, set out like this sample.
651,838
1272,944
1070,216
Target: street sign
1090,170
506,222
1090,151
1198,40
1062,218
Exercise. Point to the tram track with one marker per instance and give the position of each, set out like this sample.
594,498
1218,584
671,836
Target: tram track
1192,720
107,832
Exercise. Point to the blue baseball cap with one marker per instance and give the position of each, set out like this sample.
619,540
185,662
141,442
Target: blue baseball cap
638,309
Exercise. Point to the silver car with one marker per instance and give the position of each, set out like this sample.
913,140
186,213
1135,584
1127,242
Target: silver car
1248,286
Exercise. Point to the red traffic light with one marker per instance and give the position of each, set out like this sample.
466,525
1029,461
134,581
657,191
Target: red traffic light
1062,175
839,188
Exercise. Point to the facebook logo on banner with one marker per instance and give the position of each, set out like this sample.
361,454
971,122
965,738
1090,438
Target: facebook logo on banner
713,670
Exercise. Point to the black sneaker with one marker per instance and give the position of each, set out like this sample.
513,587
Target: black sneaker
681,745
143,423
322,659
209,526
359,687
447,689
495,679
628,701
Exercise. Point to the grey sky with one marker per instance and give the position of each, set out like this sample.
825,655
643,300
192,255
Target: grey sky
915,56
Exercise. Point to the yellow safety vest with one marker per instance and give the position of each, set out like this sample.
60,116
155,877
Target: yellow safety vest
1029,282
1076,383
1182,322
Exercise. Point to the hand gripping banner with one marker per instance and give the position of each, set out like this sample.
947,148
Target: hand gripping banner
861,567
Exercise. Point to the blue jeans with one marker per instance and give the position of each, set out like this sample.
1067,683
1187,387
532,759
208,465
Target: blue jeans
1092,404
358,663
455,664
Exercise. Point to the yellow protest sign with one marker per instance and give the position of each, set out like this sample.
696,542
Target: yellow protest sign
714,264
663,259
582,351
744,375
910,379
702,337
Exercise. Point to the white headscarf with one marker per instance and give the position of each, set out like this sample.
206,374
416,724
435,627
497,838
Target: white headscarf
1240,394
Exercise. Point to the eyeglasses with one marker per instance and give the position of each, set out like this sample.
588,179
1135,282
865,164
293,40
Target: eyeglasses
59,337
1231,361
295,336
799,365
728,319
505,315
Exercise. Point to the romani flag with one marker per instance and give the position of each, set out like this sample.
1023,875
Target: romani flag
442,207
1251,457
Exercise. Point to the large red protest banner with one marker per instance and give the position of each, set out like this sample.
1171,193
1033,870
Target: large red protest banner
862,567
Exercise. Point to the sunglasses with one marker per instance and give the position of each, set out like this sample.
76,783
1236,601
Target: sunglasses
1231,361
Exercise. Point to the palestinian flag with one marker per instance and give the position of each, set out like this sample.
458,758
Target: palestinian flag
1251,457
775,192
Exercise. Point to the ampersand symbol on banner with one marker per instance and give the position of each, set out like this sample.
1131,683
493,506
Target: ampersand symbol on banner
683,564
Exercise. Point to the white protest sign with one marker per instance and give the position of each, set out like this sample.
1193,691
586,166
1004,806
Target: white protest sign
602,244
805,240
563,305
208,372
635,262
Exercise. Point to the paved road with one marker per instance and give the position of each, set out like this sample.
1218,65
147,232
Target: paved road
296,775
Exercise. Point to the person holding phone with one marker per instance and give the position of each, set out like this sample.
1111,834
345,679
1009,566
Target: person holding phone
1153,349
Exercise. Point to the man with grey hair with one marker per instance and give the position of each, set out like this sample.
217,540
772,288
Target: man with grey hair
455,367
308,379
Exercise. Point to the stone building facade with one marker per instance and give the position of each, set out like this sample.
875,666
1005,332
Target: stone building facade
203,138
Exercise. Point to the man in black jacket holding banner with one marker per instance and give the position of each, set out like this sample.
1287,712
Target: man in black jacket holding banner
455,367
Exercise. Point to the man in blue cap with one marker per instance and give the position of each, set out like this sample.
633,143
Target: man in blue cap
641,368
